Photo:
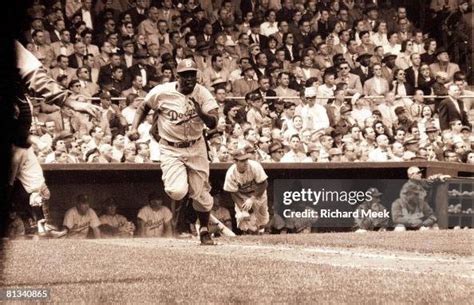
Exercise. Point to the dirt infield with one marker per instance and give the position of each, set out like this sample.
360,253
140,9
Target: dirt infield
410,267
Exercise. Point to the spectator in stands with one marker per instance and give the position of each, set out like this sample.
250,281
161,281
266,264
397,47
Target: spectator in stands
443,64
452,108
80,218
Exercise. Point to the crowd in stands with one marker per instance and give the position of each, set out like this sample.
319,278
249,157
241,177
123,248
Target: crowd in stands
296,80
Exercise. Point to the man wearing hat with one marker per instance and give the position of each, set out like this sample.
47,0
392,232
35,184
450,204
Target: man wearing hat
128,50
154,219
276,151
141,68
443,64
367,223
388,63
314,115
411,147
363,70
80,218
246,181
184,109
247,83
113,224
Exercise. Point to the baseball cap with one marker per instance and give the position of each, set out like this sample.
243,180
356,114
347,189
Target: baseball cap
186,65
413,170
240,154
399,110
374,191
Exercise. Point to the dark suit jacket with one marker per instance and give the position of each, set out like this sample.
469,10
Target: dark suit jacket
246,6
408,88
217,27
105,73
73,63
362,76
448,112
136,17
410,76
263,41
135,70
296,53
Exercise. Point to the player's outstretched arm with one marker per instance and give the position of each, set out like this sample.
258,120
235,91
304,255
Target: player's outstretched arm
140,115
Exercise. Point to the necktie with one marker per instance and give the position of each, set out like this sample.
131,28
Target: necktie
256,39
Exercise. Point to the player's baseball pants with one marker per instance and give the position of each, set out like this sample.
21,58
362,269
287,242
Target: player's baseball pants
252,221
186,170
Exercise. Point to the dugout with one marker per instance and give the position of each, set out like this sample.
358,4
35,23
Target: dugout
131,183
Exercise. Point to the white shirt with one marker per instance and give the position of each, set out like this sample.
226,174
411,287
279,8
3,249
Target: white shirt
395,50
268,29
314,117
245,183
87,18
325,91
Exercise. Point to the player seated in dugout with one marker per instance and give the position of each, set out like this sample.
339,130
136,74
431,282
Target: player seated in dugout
79,219
154,219
411,211
114,224
367,222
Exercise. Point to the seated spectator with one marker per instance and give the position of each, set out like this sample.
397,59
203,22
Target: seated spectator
114,224
80,218
154,219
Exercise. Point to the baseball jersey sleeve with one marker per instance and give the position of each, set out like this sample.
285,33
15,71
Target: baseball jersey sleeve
142,214
95,222
208,102
260,175
230,184
69,219
167,215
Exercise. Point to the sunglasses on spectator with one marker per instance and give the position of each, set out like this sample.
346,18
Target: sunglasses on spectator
345,68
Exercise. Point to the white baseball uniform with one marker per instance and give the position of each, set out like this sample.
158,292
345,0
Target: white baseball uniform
185,169
154,220
78,224
245,184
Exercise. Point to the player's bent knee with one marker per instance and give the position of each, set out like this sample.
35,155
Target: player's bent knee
176,193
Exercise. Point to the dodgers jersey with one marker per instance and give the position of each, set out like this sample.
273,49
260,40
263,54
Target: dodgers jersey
177,117
245,183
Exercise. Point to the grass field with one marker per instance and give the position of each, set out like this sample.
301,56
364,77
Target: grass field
431,267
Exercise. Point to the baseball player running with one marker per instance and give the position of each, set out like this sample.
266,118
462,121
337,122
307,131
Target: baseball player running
182,110
247,183
25,165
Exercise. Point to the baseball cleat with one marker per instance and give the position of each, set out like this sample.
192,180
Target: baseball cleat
206,239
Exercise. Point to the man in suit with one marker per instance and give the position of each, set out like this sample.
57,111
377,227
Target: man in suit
308,70
352,80
62,69
444,64
167,12
55,34
88,88
452,108
41,49
366,46
87,40
64,45
247,83
351,55
255,36
142,68
76,59
264,89
136,88
139,12
363,70
412,73
342,46
105,72
376,85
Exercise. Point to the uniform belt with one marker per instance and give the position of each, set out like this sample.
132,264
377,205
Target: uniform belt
180,144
